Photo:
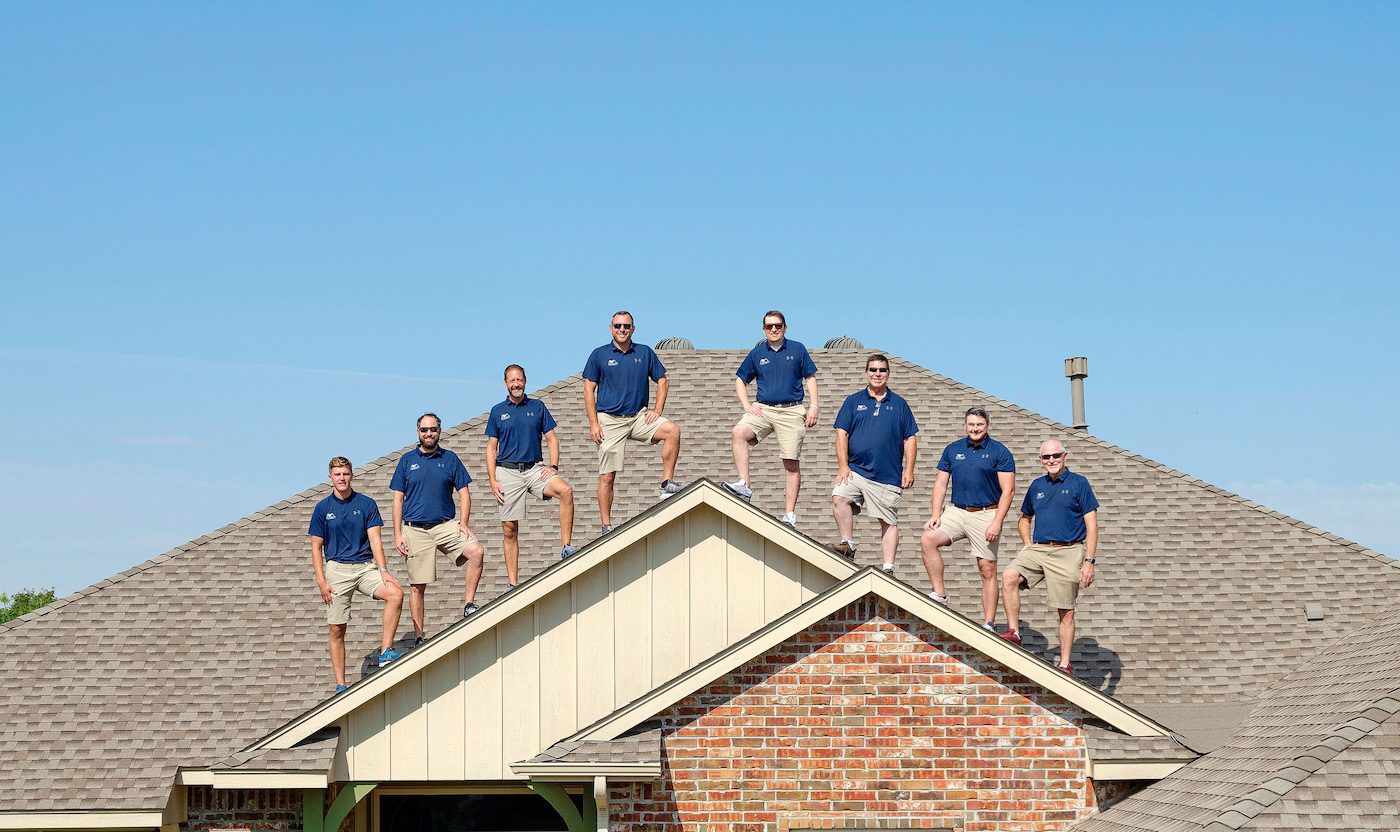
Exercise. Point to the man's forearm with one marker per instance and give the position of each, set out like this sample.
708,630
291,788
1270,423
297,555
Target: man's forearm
663,386
940,489
1091,537
811,383
491,459
318,560
590,402
1023,528
552,442
742,391
842,449
466,506
398,514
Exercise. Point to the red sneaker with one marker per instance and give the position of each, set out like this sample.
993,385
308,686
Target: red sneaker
1067,669
1013,636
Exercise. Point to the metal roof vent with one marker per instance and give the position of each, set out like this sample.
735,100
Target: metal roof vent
1313,610
845,342
675,344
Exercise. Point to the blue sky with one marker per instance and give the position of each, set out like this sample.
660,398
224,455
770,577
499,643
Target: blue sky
222,224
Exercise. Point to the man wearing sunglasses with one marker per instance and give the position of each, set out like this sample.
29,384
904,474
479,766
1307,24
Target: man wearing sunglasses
423,484
983,475
616,390
876,444
783,367
1062,551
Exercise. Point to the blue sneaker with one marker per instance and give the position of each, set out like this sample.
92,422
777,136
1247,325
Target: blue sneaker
469,609
568,552
341,688
388,656
509,587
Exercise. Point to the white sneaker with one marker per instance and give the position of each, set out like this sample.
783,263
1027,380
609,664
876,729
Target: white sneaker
887,568
790,519
938,599
670,488
739,489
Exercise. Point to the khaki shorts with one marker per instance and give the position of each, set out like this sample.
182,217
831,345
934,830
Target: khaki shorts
1058,566
957,524
516,484
346,579
788,423
879,499
424,544
617,430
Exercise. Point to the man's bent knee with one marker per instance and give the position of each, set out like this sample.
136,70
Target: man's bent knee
510,529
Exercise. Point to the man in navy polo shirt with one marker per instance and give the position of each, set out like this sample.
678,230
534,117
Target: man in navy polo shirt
616,388
875,450
782,367
423,484
513,430
1062,551
983,473
347,556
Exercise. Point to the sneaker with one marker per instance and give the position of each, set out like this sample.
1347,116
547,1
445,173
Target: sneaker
568,552
739,489
469,609
341,688
938,599
418,640
670,488
607,529
1013,636
388,656
989,626
843,547
509,587
887,568
789,519
1067,669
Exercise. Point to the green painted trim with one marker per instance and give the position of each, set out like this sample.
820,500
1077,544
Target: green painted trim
590,806
554,793
315,817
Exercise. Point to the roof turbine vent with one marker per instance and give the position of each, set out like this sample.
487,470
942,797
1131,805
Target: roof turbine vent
845,342
675,344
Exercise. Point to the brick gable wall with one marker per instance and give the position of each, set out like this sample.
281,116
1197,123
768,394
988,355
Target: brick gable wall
869,719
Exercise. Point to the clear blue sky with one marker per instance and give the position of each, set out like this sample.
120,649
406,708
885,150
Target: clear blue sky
221,221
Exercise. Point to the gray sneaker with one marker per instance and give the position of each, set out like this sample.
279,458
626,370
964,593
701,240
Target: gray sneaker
568,552
669,488
470,609
789,519
607,529
739,489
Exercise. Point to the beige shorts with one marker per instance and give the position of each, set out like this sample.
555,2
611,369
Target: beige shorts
788,423
881,501
617,430
517,484
424,544
346,579
959,524
1058,566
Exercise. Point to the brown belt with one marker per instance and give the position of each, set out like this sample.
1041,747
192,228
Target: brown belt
977,508
1057,545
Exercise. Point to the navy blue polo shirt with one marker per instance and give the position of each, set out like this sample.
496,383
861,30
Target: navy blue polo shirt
518,428
622,377
779,372
974,469
876,432
345,525
1059,506
428,482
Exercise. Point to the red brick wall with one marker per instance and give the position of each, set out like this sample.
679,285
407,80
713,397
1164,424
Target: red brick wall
256,810
871,719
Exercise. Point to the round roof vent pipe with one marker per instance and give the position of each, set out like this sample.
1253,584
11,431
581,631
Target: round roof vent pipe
1076,370
845,342
675,344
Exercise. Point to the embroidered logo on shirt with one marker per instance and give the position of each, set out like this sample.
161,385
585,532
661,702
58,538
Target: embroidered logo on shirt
861,407
612,362
959,457
505,416
413,467
762,361
330,515
1040,495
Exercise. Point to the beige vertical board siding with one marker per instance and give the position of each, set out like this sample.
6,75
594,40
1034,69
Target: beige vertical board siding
520,681
814,582
708,579
670,601
445,694
632,610
340,765
594,603
746,574
370,756
481,689
408,730
558,665
783,582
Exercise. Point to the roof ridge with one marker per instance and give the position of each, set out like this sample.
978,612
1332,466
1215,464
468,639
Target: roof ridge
1303,765
1163,467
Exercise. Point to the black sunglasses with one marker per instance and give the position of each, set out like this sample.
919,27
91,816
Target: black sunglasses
622,326
1048,457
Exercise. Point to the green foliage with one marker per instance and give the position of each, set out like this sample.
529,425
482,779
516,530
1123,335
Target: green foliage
26,600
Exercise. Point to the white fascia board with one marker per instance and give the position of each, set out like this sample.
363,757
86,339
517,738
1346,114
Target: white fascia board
81,820
270,780
194,777
1133,771
572,772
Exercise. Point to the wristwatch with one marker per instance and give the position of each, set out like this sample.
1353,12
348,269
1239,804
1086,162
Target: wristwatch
1091,560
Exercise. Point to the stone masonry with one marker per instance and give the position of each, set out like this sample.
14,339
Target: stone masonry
870,719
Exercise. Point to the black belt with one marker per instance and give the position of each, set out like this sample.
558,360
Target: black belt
517,466
424,524
624,415
1059,543
782,404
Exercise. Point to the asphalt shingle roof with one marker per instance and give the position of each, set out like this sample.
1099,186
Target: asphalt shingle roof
641,745
190,656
